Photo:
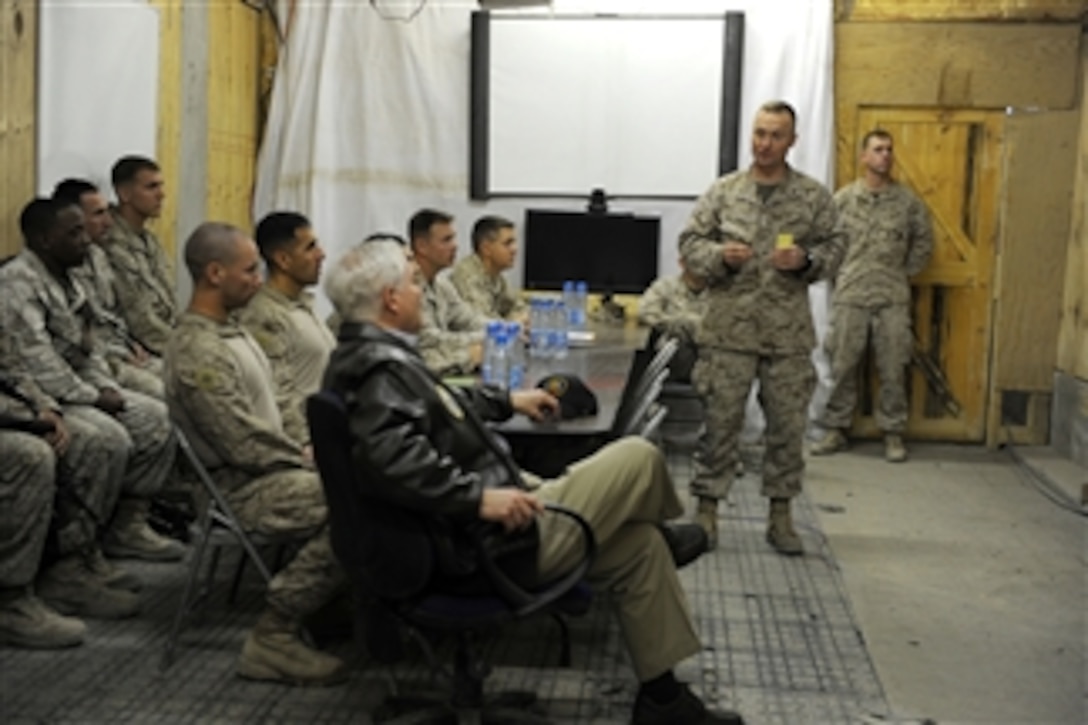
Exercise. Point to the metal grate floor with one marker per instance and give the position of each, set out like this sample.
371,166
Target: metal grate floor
781,645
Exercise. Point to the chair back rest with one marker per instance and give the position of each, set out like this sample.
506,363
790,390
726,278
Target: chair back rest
641,406
384,548
213,508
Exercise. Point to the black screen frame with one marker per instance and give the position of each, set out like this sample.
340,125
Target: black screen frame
612,252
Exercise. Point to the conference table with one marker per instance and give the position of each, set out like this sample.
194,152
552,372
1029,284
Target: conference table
604,363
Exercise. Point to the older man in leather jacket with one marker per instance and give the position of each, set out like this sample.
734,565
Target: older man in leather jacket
423,446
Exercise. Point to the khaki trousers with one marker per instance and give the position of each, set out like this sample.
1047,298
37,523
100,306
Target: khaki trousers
624,492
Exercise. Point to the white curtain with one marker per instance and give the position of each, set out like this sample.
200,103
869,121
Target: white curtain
370,117
95,104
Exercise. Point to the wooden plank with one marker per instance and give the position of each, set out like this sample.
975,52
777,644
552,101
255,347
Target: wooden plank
963,65
1036,207
18,115
885,10
168,138
1073,337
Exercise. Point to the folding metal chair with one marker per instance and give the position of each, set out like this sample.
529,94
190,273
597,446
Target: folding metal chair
217,527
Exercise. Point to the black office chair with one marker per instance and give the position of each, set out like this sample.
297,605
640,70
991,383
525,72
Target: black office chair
365,532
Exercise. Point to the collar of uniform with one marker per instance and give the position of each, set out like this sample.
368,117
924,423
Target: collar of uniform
72,301
477,264
751,186
121,224
230,328
304,300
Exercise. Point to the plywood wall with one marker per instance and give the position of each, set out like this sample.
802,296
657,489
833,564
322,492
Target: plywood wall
1073,337
915,10
18,48
1036,206
949,65
233,93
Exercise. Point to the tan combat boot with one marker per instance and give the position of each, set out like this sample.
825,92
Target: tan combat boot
780,532
112,576
274,652
894,450
70,587
129,536
706,515
25,621
832,442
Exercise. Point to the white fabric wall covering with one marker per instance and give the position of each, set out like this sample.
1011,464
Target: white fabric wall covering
369,119
98,87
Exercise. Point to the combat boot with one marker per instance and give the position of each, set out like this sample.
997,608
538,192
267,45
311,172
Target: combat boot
707,516
129,536
25,621
112,576
70,587
780,532
894,450
274,652
832,442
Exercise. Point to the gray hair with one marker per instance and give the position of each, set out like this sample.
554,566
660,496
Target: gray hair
356,281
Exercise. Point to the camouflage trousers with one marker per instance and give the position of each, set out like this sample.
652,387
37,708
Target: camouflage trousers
146,379
89,478
292,503
852,330
26,505
724,379
143,431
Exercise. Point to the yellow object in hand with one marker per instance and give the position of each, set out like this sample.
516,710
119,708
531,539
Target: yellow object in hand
784,241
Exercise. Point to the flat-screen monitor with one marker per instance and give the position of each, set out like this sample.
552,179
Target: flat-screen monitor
611,252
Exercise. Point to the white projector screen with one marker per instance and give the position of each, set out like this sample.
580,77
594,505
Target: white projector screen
633,105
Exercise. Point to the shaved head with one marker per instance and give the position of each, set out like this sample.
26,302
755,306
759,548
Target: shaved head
211,242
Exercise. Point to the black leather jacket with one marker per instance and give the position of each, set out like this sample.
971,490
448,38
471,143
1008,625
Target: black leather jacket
419,444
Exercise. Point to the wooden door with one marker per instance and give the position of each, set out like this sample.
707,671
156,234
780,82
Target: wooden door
952,161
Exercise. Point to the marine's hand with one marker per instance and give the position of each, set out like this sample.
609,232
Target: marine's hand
60,437
110,401
736,253
789,259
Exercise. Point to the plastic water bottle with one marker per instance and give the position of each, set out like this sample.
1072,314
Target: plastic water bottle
500,359
558,334
538,329
571,304
487,367
581,294
516,360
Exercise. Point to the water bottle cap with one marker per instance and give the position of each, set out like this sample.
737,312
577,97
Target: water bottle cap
513,328
568,285
494,326
581,285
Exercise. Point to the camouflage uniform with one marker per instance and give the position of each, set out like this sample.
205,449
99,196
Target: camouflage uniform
50,325
449,327
297,345
220,389
673,307
487,295
144,283
89,472
98,280
889,240
26,497
758,323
